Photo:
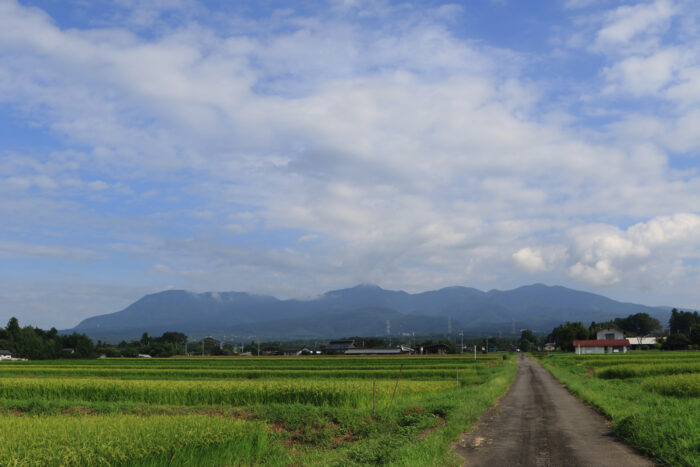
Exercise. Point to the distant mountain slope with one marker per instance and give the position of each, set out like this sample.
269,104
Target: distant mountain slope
360,310
359,322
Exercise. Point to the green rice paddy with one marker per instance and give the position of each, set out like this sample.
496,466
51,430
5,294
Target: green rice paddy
244,411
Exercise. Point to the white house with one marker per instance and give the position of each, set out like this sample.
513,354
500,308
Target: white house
5,355
607,341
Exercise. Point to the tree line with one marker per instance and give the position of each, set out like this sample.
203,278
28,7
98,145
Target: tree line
34,343
38,344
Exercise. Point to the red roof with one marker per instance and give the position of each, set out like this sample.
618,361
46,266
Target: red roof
603,343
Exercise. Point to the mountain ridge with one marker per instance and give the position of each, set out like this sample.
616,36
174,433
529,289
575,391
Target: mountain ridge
535,306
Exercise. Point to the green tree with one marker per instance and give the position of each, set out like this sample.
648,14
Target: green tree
682,322
13,328
527,340
565,334
677,341
639,324
174,338
695,334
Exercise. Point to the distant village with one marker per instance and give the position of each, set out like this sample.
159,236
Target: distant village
635,332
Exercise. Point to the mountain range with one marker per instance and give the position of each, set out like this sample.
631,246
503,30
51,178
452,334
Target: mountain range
363,310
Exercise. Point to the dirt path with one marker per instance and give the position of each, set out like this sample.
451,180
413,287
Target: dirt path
539,423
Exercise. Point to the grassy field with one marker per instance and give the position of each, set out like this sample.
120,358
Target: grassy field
244,411
652,398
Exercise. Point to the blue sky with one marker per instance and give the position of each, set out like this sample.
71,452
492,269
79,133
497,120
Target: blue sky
291,148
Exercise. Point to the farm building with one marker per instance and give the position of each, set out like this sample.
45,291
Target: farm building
607,341
601,346
339,346
395,351
5,355
291,351
637,342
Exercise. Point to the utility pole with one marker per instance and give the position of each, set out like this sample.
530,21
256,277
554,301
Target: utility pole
461,334
388,331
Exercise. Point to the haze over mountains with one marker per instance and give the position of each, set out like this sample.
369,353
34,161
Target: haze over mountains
361,310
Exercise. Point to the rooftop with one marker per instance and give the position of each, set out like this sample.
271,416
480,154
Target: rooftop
602,343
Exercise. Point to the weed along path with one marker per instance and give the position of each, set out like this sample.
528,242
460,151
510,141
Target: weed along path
539,423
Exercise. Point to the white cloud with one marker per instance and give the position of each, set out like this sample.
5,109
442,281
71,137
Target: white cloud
651,50
643,75
13,249
628,23
574,4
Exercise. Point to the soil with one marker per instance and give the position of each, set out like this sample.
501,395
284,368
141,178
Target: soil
539,423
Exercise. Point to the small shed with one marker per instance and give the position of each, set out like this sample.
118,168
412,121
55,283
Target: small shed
5,355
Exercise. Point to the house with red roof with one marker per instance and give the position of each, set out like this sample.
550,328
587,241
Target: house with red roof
606,341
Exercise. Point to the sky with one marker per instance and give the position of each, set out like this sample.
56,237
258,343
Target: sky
290,148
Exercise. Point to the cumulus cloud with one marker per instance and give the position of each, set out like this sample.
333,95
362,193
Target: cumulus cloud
530,260
543,259
605,255
658,252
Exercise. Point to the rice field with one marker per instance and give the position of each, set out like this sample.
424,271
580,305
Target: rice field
652,398
244,411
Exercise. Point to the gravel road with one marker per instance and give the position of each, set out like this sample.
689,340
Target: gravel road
539,423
